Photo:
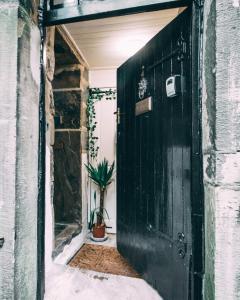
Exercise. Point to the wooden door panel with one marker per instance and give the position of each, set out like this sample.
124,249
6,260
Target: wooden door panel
154,163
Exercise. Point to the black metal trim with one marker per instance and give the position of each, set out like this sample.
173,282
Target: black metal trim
199,3
72,14
41,163
197,269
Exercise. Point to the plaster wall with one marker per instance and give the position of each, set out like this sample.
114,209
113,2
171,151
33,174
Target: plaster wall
221,143
19,92
100,78
106,132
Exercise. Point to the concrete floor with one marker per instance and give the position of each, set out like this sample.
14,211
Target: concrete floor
65,283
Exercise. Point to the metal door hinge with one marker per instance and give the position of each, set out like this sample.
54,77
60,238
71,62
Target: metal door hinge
199,3
181,48
181,245
2,242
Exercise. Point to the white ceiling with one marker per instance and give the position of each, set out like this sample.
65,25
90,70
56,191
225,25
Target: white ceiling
107,43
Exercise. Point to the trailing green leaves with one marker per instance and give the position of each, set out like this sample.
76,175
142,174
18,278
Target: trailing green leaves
95,94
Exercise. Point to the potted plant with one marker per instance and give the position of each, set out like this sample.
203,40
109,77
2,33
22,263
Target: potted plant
98,228
102,177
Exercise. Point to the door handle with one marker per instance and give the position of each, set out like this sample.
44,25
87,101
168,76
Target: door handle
118,113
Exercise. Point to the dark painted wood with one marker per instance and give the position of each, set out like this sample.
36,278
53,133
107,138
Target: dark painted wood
154,164
197,164
88,10
41,162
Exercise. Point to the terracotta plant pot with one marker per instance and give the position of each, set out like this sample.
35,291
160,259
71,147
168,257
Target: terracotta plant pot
99,231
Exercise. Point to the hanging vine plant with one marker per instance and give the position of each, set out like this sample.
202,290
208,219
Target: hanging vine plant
95,94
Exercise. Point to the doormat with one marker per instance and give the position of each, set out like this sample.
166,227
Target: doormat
102,259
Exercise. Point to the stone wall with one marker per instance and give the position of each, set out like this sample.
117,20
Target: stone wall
66,96
50,140
69,86
19,93
221,146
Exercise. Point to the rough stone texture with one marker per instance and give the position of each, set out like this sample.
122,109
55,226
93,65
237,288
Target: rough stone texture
49,99
67,174
8,86
50,140
19,93
27,161
209,277
31,7
227,263
69,86
67,198
63,70
50,55
209,136
63,52
67,106
67,77
84,84
221,130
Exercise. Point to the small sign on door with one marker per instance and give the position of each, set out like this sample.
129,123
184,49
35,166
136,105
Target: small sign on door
143,106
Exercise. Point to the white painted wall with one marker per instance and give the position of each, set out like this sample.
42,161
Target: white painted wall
100,78
106,131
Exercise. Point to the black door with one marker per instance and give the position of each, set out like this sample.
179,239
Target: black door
154,160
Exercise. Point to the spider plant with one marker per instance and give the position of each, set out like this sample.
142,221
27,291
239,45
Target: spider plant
101,175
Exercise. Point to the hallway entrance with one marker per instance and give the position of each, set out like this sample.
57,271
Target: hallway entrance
139,123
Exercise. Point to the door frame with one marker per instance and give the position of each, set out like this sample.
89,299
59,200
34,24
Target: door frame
197,196
41,159
197,205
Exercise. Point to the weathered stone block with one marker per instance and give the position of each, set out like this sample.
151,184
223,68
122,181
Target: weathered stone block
209,276
84,141
64,54
49,99
8,113
83,114
227,76
67,107
228,169
67,79
209,78
50,129
209,167
27,161
67,178
50,56
227,263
